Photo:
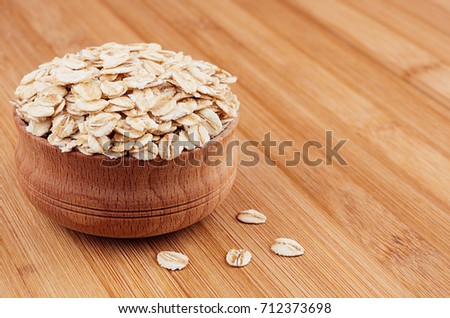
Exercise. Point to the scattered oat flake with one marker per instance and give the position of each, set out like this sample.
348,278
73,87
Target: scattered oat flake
172,260
251,217
287,247
238,257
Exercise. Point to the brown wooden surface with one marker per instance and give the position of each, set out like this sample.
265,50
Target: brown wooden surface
374,72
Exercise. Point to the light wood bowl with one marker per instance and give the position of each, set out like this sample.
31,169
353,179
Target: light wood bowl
98,196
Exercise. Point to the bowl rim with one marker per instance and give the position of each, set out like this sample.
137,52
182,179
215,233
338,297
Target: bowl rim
185,154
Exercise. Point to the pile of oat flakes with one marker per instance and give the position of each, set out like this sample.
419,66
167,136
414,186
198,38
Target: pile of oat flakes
119,100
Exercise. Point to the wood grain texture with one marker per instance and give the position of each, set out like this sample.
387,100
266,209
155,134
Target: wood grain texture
376,227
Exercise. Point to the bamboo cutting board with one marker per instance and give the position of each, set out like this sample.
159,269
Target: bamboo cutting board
374,72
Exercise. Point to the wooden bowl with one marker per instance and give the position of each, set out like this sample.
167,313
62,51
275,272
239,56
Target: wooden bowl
125,197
